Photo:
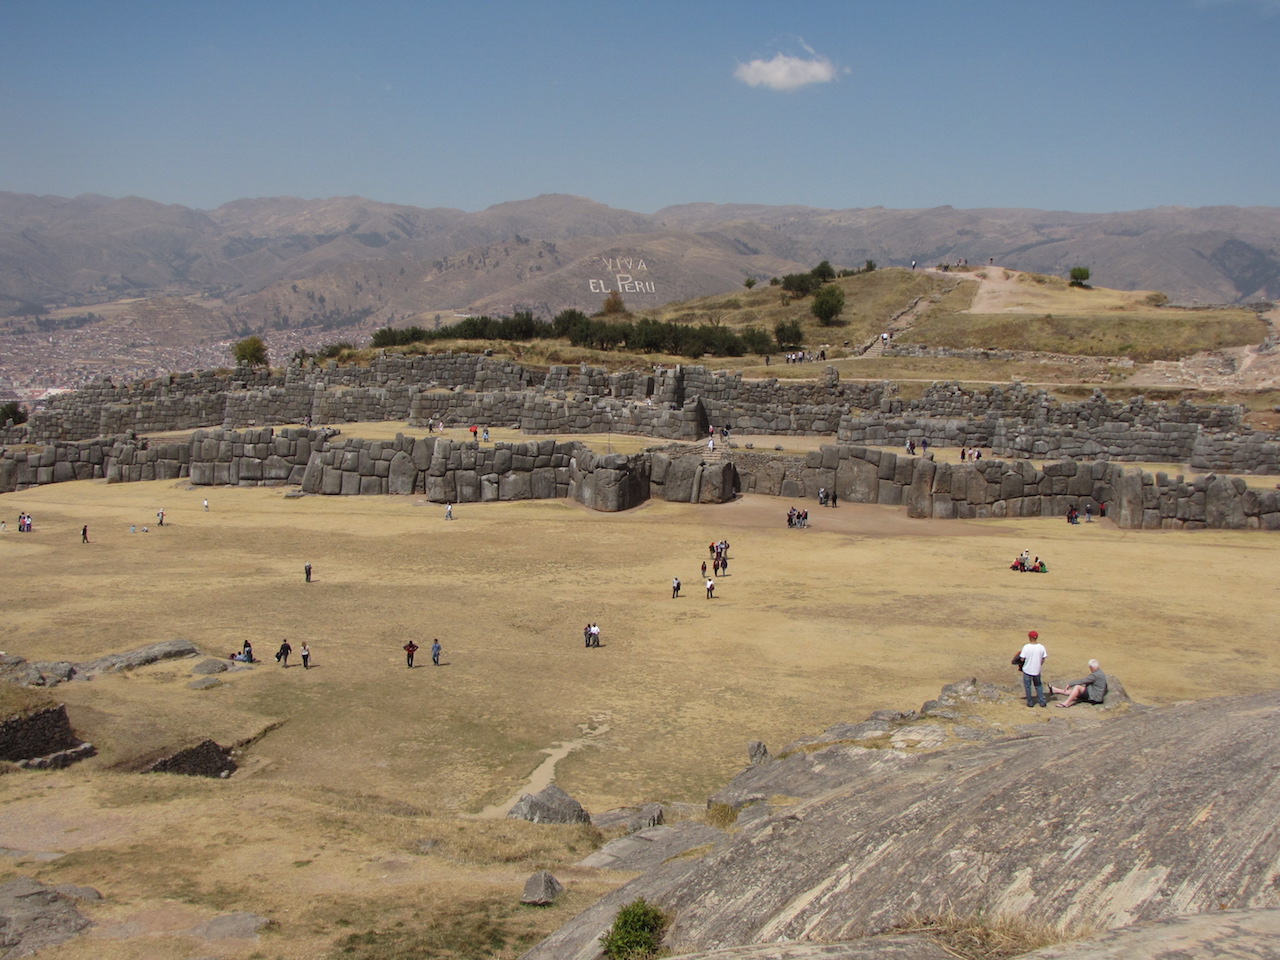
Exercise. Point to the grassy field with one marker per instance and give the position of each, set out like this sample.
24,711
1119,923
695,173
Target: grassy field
353,824
1045,314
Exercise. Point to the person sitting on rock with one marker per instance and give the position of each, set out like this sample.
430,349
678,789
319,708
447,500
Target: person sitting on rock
1090,689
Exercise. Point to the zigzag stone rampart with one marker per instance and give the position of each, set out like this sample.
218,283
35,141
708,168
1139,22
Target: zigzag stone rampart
93,433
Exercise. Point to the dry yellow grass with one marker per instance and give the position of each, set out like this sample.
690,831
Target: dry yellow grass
352,815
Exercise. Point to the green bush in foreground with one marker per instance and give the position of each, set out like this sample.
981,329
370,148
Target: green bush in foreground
636,933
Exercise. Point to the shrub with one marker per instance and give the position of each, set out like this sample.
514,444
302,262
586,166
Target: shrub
1079,276
636,933
1156,300
749,282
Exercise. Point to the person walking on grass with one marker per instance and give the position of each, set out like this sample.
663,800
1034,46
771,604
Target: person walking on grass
282,654
305,653
84,534
435,652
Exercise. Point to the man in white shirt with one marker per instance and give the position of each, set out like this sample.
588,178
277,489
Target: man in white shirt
1033,656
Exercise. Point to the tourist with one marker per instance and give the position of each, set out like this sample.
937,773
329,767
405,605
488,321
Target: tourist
306,571
305,653
1088,513
84,534
474,430
486,435
675,587
448,511
282,655
410,649
206,504
711,588
586,635
160,518
1090,689
435,652
246,654
595,635
704,568
835,499
1033,655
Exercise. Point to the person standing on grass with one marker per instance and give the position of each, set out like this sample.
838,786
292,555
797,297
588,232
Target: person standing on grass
435,652
711,588
305,652
410,649
1033,655
675,587
306,571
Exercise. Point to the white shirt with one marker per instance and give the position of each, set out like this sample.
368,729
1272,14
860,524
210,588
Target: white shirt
1035,655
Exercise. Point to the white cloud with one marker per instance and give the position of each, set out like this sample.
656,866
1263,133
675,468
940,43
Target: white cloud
787,73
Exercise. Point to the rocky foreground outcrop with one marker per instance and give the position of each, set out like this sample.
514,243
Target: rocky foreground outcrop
1144,816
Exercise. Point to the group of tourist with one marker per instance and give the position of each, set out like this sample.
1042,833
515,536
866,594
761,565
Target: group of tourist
800,356
1091,688
1073,515
797,518
591,635
24,523
411,648
827,498
911,446
1024,563
971,453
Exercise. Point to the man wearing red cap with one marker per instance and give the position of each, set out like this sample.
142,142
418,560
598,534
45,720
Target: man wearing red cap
1033,656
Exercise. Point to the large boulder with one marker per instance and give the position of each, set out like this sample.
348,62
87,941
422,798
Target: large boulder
551,805
541,889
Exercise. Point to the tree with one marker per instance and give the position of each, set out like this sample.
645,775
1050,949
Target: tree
788,334
250,350
823,272
799,284
749,282
827,304
613,304
1079,276
14,411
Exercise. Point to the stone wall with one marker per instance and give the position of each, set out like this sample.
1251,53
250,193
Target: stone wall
995,488
36,734
205,759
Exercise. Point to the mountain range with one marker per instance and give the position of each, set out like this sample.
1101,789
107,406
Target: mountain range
287,263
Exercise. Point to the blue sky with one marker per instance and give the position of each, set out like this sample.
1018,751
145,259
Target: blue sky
1087,106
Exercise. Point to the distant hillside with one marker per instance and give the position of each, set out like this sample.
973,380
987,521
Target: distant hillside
285,263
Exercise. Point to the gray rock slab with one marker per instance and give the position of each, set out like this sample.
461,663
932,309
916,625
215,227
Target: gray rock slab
1252,934
231,926
152,653
210,665
649,847
34,916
